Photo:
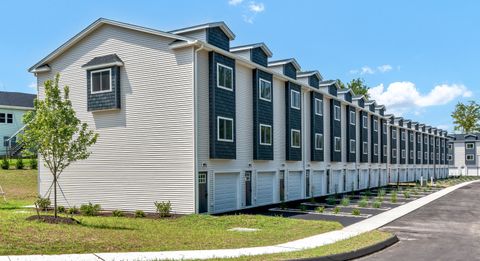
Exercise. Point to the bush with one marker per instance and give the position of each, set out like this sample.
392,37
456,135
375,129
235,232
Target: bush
394,197
164,209
34,163
356,212
117,213
139,214
90,209
72,210
336,210
303,208
283,205
363,203
320,209
381,192
61,209
345,201
368,193
331,200
312,200
43,203
406,194
5,164
19,164
377,204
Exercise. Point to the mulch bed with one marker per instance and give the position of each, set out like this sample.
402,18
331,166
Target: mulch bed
52,220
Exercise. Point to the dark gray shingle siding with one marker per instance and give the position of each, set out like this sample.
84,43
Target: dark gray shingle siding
215,36
262,114
105,100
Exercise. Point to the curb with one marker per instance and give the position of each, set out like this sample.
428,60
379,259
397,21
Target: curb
368,250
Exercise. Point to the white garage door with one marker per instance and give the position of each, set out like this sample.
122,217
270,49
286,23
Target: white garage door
418,174
265,185
373,178
363,179
383,177
351,182
226,191
393,175
403,175
294,185
337,181
318,183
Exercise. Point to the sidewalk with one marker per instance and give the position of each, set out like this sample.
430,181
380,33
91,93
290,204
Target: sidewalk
366,225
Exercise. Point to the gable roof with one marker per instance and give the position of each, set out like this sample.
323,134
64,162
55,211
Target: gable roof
92,27
17,99
359,97
310,73
343,91
285,61
262,46
194,28
102,60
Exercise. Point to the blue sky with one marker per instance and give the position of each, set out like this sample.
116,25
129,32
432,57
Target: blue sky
419,57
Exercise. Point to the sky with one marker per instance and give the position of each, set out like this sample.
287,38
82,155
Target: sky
419,58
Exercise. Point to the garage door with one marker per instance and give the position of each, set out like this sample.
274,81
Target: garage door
418,174
363,179
373,178
265,185
226,191
351,183
383,177
318,183
336,181
294,185
393,176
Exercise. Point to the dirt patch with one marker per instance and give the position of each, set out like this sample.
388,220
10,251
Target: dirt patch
52,220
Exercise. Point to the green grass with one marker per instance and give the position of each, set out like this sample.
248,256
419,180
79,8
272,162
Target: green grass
347,245
121,234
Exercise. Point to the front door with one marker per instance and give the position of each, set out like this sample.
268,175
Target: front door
202,192
282,185
248,188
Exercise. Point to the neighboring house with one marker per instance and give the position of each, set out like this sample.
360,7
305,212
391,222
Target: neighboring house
12,107
464,154
186,118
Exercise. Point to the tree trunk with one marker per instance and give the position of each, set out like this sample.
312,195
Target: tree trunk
55,195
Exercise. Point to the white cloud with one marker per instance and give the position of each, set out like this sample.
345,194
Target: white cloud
33,85
366,70
384,68
256,7
402,97
235,2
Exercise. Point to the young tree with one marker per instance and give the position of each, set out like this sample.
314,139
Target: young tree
466,117
359,87
54,131
341,84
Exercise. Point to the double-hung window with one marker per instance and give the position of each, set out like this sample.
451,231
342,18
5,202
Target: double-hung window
9,118
224,77
394,153
336,112
411,154
375,125
101,81
426,155
403,154
375,149
265,90
411,137
352,118
402,133
364,122
295,99
318,107
353,146
365,147
394,133
318,141
224,129
470,157
265,134
419,155
295,138
3,118
337,144
469,145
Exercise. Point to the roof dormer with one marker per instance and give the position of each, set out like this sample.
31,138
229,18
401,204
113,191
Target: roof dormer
257,53
217,34
380,109
312,78
346,94
399,121
287,67
359,100
371,104
330,86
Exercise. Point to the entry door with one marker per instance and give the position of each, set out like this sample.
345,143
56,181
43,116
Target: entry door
248,188
202,192
307,183
282,185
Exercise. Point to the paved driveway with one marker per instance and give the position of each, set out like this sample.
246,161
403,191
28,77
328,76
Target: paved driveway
446,229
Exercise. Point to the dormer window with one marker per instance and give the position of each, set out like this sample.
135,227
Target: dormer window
101,81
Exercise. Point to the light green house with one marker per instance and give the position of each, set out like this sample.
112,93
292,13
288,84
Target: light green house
13,106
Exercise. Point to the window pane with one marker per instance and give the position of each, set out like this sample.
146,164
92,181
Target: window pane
221,76
229,129
96,82
105,80
228,78
221,127
2,117
9,118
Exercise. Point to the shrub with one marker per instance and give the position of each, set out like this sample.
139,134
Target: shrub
356,212
363,203
43,203
331,200
72,210
368,193
34,163
303,208
139,214
117,213
320,209
406,194
90,209
164,209
19,164
61,209
345,201
377,204
5,164
394,197
381,192
283,205
312,200
336,210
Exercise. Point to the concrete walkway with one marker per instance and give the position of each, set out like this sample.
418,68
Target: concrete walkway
369,224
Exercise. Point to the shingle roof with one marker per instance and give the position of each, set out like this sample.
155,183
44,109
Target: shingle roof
263,46
17,99
221,24
461,137
107,59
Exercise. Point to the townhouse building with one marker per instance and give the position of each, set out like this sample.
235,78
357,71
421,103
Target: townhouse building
185,117
463,154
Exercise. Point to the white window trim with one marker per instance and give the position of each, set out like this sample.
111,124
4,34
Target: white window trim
354,118
318,107
419,155
449,157
291,138
402,135
375,149
260,90
411,137
375,125
318,136
291,99
218,129
353,148
335,142
394,153
404,154
6,118
335,113
384,150
450,146
364,122
109,81
365,147
394,133
472,158
466,145
260,134
412,154
218,77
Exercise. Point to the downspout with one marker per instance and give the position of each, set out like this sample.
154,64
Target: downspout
195,120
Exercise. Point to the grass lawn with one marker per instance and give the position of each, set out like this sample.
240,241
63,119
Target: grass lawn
108,234
354,243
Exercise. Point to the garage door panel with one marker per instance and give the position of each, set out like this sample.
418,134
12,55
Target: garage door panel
294,185
265,187
318,183
226,191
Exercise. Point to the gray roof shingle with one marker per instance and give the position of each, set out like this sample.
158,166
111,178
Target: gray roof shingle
107,59
17,99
